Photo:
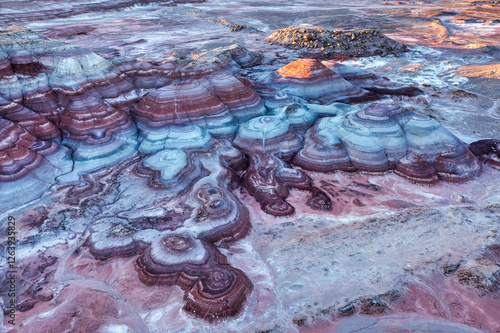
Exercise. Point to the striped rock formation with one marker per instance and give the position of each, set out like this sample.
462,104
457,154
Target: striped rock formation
386,137
311,80
216,103
271,142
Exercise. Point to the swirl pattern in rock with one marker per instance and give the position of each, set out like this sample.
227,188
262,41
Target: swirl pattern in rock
170,169
214,289
220,216
112,237
178,248
270,141
184,256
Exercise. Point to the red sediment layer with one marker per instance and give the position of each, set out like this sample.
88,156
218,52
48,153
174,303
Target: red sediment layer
85,117
417,170
146,75
190,102
25,65
44,102
458,165
370,81
17,157
34,123
6,71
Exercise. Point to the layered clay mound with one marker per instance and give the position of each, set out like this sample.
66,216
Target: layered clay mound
369,81
214,289
191,103
233,55
181,252
274,98
37,125
270,142
299,116
215,103
46,75
173,136
146,75
85,117
27,166
384,137
31,91
313,81
318,40
238,95
269,135
88,122
55,91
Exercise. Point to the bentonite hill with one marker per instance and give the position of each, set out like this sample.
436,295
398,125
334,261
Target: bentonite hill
231,166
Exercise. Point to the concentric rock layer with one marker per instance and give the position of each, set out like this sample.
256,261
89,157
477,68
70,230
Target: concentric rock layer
384,137
151,157
270,142
310,79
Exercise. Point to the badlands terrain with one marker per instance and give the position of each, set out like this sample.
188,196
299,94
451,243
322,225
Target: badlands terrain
248,166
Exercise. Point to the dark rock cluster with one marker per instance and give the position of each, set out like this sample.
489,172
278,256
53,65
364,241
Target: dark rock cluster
349,43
